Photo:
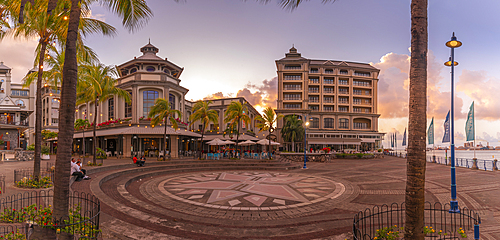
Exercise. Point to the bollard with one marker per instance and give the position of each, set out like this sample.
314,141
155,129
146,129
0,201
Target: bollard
434,158
474,165
476,231
495,166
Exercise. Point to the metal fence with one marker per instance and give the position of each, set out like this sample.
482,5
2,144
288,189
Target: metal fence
487,165
446,225
34,209
19,174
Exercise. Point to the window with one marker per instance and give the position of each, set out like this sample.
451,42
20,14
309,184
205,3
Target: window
293,87
344,123
200,127
356,101
314,122
55,120
328,81
23,93
344,72
329,123
356,92
314,89
343,109
133,70
314,80
367,92
150,69
328,100
148,100
292,97
362,74
111,108
343,100
19,102
328,90
328,108
314,108
358,125
361,83
128,107
171,100
313,70
343,81
293,77
292,67
329,71
313,98
291,106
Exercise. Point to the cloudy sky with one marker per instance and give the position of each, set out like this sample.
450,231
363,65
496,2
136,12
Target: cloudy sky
228,48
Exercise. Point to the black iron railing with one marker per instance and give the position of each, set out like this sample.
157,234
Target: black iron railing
32,210
27,173
440,223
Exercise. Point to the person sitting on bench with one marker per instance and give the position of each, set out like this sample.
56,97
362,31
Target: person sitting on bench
80,174
139,163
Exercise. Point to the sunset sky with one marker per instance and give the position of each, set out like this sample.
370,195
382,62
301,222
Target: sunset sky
228,48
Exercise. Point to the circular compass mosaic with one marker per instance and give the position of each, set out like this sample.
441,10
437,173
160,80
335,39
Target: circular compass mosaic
243,190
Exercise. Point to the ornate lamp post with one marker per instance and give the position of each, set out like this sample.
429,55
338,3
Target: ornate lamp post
453,43
305,141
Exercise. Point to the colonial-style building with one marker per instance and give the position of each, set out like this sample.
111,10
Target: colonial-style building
337,98
124,128
16,105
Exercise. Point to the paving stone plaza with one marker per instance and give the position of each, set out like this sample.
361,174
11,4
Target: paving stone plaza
249,199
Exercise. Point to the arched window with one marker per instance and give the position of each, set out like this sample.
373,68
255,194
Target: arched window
329,123
150,69
128,107
344,123
166,71
148,100
133,70
171,100
111,108
19,102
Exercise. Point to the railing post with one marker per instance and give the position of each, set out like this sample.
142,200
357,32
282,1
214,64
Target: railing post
476,230
474,164
495,166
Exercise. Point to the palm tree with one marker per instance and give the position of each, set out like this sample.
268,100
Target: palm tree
82,124
293,130
134,13
161,111
268,123
415,173
48,28
202,112
236,113
98,85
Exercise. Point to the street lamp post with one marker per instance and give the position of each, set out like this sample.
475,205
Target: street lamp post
305,141
453,43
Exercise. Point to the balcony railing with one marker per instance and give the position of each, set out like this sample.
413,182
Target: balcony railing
329,71
344,72
314,100
314,81
12,122
328,109
293,88
328,90
362,84
361,74
329,82
314,90
343,82
313,71
328,100
292,98
343,102
344,92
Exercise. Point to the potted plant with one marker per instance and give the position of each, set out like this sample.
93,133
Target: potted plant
2,142
45,152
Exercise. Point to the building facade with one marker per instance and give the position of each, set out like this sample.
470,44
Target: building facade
16,107
337,98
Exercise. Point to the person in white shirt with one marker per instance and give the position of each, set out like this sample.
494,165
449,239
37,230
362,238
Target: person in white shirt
79,173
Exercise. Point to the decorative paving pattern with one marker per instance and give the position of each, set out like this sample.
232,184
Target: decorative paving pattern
250,190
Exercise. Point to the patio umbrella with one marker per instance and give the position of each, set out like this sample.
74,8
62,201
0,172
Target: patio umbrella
229,142
266,142
216,141
247,143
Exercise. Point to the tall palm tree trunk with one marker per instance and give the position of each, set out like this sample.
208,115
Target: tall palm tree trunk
66,118
165,139
38,110
200,146
415,182
237,138
94,138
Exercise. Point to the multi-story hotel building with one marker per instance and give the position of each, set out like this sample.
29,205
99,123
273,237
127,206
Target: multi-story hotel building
338,98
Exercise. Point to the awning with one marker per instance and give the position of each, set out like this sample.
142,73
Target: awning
335,142
141,130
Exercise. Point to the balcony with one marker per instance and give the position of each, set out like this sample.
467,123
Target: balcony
292,98
361,84
343,102
328,90
328,109
314,90
314,100
329,81
344,72
328,71
343,82
344,92
292,106
314,108
13,122
288,88
362,74
293,77
313,80
313,71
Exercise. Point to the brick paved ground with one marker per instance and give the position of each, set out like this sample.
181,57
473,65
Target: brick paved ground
134,204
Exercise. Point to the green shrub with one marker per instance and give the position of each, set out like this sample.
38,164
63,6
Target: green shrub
31,147
45,150
359,155
101,154
44,182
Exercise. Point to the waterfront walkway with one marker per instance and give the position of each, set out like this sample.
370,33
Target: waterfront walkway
191,199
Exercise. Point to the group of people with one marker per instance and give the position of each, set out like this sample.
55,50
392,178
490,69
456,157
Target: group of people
140,162
76,170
